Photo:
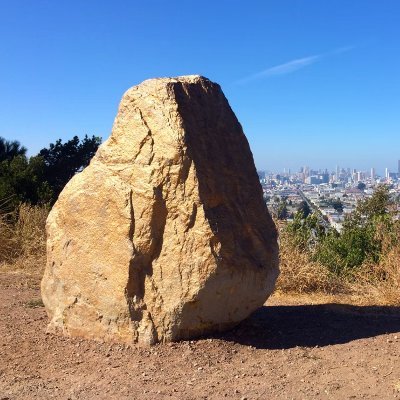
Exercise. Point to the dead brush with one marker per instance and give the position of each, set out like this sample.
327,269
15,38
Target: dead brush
23,238
299,274
380,282
8,240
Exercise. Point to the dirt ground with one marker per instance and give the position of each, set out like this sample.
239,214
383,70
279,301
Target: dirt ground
286,350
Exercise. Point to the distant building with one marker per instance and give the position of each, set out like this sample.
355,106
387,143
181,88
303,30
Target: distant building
324,178
313,180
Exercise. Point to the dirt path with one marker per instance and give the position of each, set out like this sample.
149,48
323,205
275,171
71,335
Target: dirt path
327,351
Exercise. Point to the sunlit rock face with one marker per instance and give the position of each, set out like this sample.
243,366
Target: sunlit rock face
165,235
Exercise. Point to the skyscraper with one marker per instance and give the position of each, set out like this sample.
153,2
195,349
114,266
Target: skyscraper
398,167
373,174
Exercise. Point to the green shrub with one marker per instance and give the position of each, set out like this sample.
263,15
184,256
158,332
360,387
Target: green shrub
359,242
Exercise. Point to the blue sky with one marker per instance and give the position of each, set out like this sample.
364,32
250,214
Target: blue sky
313,82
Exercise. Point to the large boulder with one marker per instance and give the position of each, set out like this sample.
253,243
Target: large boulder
165,235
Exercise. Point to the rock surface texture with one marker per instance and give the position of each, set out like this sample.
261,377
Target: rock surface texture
165,235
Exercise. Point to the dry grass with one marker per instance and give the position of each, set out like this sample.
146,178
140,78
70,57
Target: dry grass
23,248
301,275
370,284
380,283
23,238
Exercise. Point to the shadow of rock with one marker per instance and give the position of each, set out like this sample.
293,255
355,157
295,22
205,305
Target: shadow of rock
285,327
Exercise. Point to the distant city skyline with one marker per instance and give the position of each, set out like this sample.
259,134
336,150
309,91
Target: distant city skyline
368,170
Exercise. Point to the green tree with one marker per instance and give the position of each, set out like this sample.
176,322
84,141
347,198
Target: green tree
21,180
361,186
337,205
304,209
349,249
63,160
366,233
304,233
40,179
9,150
362,235
377,206
282,211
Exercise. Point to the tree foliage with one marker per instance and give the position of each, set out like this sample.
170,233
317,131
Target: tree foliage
21,180
362,235
41,178
336,204
63,160
360,240
10,150
304,233
304,209
361,186
282,212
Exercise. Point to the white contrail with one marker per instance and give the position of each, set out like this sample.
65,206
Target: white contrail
291,66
